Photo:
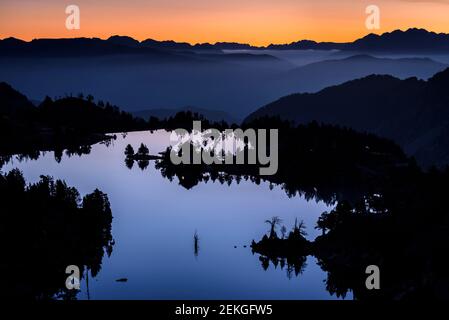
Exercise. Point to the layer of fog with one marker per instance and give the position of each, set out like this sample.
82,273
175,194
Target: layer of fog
235,83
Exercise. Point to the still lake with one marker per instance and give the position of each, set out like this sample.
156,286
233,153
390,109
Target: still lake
155,220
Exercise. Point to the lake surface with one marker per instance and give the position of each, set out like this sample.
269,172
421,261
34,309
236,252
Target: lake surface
155,220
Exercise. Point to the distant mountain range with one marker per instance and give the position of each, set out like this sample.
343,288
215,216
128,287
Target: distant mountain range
413,112
319,75
237,83
412,40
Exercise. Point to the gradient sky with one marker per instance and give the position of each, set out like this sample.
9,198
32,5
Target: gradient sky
258,22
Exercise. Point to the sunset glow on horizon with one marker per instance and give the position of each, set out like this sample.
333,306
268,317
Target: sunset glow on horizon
258,22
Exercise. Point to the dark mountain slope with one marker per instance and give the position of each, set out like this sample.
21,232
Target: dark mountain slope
12,101
413,112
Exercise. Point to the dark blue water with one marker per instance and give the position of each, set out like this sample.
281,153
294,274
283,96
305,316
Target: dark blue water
155,221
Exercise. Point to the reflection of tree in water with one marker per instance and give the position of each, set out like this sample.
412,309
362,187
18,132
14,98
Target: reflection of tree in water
142,157
129,163
191,175
196,246
290,252
400,231
58,154
143,164
293,266
4,160
34,155
390,213
403,231
320,162
78,151
45,227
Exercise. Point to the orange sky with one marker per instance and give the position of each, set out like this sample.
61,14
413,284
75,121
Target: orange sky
258,22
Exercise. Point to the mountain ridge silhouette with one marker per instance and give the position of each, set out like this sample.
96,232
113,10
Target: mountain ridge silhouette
412,39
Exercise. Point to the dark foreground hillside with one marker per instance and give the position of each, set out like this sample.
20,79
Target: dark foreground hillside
63,122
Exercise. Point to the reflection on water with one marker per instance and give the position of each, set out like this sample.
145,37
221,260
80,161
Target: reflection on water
196,246
292,267
155,217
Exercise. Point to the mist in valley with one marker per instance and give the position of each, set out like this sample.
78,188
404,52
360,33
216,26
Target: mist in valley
236,82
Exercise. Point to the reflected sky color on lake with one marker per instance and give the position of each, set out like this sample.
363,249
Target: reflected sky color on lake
155,221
